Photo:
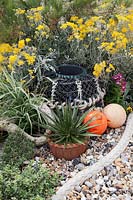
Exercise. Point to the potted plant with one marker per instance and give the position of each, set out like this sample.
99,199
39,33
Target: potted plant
69,136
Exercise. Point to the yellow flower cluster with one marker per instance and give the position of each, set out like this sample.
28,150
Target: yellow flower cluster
33,14
129,109
36,20
98,68
119,41
80,28
42,30
120,29
4,47
113,35
20,11
19,54
101,67
31,73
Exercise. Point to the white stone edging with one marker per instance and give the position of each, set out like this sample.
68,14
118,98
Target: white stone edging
90,171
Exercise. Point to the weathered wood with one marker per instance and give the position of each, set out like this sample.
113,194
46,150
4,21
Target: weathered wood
10,127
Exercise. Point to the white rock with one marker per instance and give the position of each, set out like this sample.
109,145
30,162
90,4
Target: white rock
112,189
128,197
82,196
100,181
97,188
62,182
80,166
88,184
78,188
95,196
106,178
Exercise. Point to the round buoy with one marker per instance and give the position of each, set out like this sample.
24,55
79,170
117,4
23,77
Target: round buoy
98,119
116,115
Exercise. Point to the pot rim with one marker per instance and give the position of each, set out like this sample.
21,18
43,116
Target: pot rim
69,145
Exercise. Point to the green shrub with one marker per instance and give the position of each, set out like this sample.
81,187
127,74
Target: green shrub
33,183
17,149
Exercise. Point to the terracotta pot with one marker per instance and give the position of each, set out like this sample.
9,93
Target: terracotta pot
68,152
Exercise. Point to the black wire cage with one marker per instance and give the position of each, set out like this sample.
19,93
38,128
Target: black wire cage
71,84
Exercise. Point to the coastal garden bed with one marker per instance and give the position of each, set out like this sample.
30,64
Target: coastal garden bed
66,81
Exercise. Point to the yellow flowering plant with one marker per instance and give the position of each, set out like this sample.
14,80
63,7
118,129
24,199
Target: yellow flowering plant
102,46
17,57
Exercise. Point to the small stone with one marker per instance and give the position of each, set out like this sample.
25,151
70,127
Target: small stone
44,165
26,162
88,184
118,186
90,157
80,166
97,188
82,196
78,188
70,194
105,189
84,160
76,161
112,189
118,161
106,178
120,197
114,197
62,182
51,158
88,196
100,181
98,144
95,196
88,151
73,173
84,188
103,172
127,197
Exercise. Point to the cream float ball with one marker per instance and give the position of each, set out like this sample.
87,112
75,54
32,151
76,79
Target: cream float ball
116,115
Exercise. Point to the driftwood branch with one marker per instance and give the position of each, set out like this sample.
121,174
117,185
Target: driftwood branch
10,127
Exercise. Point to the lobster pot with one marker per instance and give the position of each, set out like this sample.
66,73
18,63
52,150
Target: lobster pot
75,87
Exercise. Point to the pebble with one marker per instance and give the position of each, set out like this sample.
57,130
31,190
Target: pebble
78,188
100,181
80,166
114,182
62,182
112,189
119,186
88,184
106,178
76,161
83,197
95,196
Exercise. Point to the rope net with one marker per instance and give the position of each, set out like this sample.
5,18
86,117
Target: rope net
83,92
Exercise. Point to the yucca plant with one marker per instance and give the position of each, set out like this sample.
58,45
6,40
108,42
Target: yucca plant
66,126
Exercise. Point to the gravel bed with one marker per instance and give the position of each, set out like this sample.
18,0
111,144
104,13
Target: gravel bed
112,183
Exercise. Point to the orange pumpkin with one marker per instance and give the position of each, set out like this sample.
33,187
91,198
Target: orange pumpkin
99,119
